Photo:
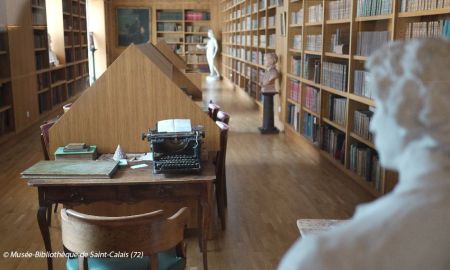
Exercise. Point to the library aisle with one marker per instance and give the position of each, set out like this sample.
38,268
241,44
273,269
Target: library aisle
272,181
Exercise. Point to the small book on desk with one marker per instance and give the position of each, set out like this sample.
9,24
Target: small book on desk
63,169
89,153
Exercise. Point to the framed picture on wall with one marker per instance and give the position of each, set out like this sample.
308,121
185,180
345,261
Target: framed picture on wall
133,25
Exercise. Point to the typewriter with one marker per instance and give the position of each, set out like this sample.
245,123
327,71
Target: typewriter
175,152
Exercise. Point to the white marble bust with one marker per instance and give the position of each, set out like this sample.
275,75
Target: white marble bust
271,74
408,228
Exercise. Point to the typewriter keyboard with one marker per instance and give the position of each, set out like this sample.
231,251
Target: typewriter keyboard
177,165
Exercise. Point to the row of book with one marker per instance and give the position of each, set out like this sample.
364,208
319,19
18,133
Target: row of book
39,3
373,7
332,141
312,98
361,84
368,42
294,90
5,95
39,17
293,116
315,14
41,60
364,162
44,102
169,26
339,10
337,109
418,5
297,17
196,28
169,15
431,29
197,15
361,123
311,127
296,65
314,42
196,39
297,42
335,75
196,58
311,68
40,39
59,95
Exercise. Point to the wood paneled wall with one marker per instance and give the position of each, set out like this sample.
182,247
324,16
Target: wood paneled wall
111,28
130,97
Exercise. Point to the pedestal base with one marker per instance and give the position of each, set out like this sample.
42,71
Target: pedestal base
273,130
212,78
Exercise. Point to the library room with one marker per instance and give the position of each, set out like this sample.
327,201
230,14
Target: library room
225,134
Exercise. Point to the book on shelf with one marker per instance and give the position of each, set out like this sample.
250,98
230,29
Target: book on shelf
297,42
337,109
315,14
271,21
297,17
334,75
311,68
428,29
191,15
368,42
311,127
169,15
373,7
332,141
294,90
296,65
361,123
272,40
312,98
293,116
339,10
419,5
365,163
314,42
361,84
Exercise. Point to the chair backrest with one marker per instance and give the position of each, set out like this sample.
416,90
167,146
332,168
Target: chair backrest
45,138
213,109
150,233
223,145
223,117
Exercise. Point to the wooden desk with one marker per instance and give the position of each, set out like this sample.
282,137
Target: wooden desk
128,185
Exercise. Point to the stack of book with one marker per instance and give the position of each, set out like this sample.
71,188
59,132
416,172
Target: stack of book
339,10
312,95
272,40
76,151
418,5
368,42
335,75
297,17
361,123
337,109
314,42
373,7
297,42
361,84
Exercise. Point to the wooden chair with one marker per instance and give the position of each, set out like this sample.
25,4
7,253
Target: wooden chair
213,109
221,181
45,138
223,117
158,241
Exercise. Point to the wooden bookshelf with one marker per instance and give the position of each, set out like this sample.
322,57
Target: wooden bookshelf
183,29
248,33
6,102
298,117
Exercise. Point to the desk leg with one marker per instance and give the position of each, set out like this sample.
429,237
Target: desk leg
43,226
205,221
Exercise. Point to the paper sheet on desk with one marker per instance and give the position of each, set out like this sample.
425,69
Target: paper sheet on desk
174,125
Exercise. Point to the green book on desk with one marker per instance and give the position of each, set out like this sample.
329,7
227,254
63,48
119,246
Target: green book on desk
60,169
89,154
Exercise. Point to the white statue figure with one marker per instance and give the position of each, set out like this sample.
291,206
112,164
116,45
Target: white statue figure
271,74
211,50
53,59
408,228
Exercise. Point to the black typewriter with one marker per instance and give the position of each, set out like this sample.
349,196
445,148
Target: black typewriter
175,152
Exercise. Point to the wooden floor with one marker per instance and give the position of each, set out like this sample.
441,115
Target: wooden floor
272,181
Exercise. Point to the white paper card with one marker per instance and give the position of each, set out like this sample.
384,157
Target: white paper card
174,125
